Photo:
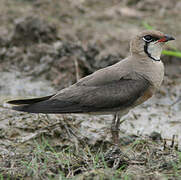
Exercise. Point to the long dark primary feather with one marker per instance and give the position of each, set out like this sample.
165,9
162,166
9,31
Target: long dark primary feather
29,101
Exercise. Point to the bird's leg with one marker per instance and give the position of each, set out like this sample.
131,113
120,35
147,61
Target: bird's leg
115,129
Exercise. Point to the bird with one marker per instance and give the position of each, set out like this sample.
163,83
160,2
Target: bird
111,90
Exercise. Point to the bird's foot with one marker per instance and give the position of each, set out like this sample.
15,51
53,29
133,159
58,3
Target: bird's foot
115,158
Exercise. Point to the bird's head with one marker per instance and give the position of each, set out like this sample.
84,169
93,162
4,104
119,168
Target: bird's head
149,43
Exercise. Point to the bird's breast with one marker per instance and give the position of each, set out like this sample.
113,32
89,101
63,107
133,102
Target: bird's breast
153,71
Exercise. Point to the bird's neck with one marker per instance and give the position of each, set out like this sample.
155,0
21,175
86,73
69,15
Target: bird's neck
152,70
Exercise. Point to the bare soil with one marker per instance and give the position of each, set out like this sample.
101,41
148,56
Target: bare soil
45,46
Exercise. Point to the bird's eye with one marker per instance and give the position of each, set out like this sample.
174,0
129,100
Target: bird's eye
148,38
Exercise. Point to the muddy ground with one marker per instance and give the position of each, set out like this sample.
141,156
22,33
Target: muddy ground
45,46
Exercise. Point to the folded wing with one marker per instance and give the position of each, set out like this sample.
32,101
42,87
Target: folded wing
107,97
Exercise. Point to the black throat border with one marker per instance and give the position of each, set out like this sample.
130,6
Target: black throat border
146,51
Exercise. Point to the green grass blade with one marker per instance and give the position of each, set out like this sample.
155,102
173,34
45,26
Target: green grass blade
147,26
172,53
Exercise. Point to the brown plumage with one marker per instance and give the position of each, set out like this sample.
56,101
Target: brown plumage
114,89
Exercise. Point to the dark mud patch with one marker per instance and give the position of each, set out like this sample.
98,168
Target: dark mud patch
40,56
31,30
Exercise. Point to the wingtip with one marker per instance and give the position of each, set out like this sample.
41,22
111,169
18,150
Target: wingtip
13,102
28,101
10,102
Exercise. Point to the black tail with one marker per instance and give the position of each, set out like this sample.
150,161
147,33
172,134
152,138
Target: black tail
29,101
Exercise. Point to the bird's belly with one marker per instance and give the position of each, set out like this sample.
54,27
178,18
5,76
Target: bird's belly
121,111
